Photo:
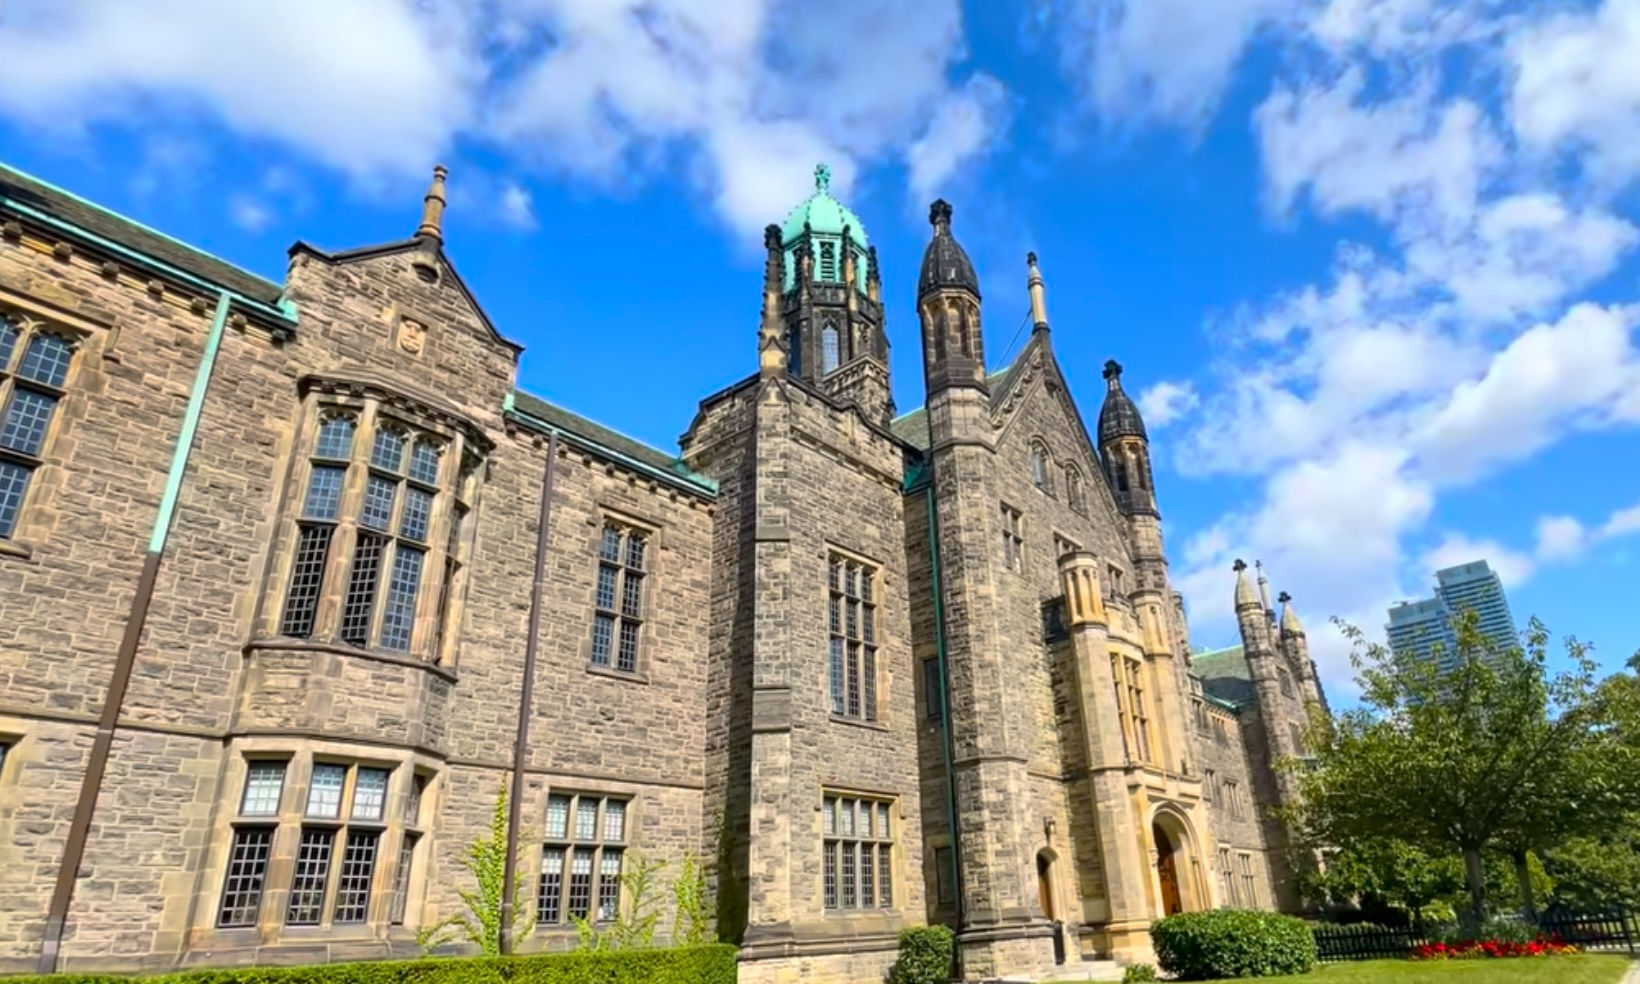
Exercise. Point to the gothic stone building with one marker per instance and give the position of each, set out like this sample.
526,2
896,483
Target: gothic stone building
294,581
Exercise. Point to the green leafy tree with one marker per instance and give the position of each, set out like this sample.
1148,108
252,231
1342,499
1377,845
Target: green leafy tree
1488,752
1385,870
480,925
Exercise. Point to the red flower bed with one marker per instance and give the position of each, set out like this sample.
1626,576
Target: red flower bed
1477,949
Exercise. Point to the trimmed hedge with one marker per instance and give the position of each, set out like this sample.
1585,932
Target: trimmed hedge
926,955
1195,946
710,964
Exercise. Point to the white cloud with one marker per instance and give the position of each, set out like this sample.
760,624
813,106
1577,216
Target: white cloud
740,97
1166,402
1575,86
249,214
1560,538
966,124
366,86
1512,566
1159,60
517,206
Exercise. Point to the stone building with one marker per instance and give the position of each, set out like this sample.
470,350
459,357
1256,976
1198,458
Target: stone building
294,581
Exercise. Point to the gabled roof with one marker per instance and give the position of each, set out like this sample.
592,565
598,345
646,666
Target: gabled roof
403,246
1225,675
670,466
22,193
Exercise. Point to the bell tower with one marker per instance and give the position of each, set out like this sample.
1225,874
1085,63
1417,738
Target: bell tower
831,302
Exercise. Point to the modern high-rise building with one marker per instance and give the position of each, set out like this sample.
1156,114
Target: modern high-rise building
1418,627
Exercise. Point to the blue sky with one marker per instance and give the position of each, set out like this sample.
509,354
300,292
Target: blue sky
1371,264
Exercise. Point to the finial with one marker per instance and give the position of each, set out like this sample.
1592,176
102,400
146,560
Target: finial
939,214
1113,375
822,178
1284,597
771,236
1038,292
1239,566
432,207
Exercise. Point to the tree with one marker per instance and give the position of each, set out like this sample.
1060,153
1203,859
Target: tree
1484,751
1386,871
481,923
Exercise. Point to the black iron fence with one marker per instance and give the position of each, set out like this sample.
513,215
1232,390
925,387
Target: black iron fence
1608,931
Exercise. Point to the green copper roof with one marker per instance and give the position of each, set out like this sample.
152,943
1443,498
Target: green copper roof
823,214
1225,675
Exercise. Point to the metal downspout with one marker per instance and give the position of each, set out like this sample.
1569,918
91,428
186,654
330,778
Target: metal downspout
526,697
945,700
125,660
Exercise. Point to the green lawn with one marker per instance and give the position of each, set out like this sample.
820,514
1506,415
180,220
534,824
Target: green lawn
1581,969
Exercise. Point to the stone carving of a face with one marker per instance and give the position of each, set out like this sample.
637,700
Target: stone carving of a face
412,335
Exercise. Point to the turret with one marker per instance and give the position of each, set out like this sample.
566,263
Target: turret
1297,647
831,302
948,306
1125,447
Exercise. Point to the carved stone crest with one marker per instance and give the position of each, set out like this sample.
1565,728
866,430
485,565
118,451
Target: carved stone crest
412,335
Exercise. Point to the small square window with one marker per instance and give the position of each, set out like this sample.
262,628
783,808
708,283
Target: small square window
264,781
369,794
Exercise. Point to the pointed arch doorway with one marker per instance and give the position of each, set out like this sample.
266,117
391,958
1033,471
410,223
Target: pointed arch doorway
1168,851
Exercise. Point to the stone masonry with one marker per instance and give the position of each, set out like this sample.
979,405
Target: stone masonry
873,671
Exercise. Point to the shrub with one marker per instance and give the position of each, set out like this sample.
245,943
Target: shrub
1139,974
926,955
1197,946
710,964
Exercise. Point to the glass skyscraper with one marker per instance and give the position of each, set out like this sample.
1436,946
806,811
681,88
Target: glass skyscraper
1416,627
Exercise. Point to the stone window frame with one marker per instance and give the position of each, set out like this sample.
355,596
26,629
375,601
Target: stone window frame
1075,489
1210,786
855,647
445,547
652,534
1227,877
1042,466
1249,881
1133,706
569,844
1284,680
397,836
31,321
1233,799
1013,538
841,852
933,704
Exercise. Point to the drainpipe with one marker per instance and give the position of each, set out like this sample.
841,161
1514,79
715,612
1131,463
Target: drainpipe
945,702
125,660
526,699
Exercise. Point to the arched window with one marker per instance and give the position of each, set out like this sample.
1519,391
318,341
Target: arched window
1039,468
1073,488
830,348
966,329
1143,475
1119,473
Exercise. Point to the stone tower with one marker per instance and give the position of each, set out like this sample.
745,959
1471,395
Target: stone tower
1274,739
832,302
1001,926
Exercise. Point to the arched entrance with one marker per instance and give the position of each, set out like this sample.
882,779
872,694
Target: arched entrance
1167,868
1045,897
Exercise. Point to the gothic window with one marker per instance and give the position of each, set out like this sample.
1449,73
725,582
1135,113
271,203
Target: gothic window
618,596
1013,540
369,510
852,625
1073,489
858,847
965,331
1142,467
831,348
337,845
1286,681
1228,876
34,365
581,859
1118,474
1232,798
1039,469
1249,885
1063,546
1128,674
1210,786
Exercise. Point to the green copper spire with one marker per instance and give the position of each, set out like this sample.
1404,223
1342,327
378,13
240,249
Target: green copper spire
826,220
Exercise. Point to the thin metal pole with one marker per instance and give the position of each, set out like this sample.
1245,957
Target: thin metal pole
526,697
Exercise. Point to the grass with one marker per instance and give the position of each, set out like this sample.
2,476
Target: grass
1581,969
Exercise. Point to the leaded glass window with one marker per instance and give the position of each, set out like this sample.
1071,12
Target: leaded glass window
1013,539
851,617
618,596
34,368
857,853
264,782
581,861
247,875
